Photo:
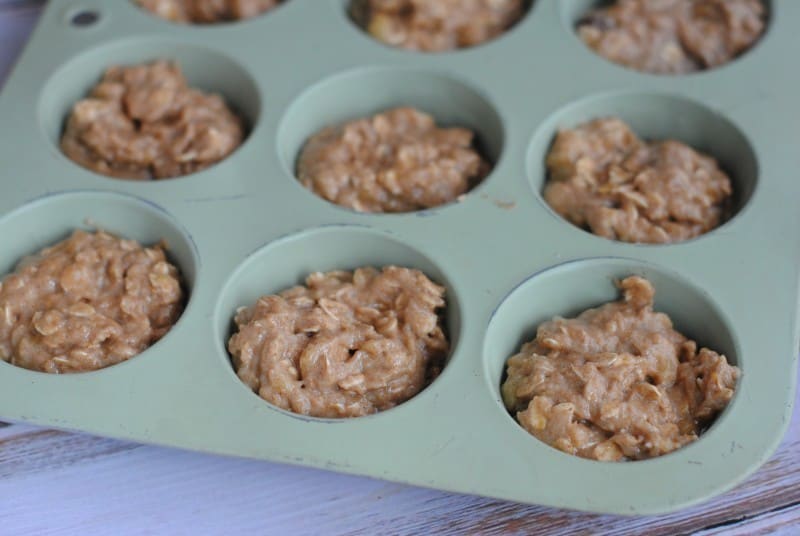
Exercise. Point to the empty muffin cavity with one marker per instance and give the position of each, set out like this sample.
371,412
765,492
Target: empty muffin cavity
436,26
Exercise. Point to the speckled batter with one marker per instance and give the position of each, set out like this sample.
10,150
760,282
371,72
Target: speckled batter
430,26
602,177
90,301
346,344
394,161
144,122
617,382
673,36
207,11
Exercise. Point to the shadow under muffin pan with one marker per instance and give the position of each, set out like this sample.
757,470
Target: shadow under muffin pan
245,227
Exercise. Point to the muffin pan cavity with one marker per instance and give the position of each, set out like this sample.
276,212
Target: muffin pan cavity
656,117
204,69
45,221
571,288
356,11
574,12
366,91
212,9
287,262
51,218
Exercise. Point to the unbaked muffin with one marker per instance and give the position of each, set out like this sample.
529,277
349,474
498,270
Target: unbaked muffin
144,122
87,302
435,26
395,161
346,344
207,11
603,178
617,382
673,36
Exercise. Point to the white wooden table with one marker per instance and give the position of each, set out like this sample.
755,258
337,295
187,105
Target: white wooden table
60,483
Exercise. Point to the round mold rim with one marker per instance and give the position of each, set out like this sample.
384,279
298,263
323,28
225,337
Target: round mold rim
154,223
212,26
572,11
450,100
74,79
651,115
505,325
344,8
241,288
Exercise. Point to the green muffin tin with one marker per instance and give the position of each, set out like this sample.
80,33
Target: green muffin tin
246,227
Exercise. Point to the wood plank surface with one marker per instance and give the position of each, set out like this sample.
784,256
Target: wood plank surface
169,491
16,21
54,482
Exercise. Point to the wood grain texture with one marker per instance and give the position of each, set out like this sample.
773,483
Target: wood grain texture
53,482
164,491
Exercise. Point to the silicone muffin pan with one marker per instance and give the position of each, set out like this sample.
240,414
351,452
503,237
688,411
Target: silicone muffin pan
246,227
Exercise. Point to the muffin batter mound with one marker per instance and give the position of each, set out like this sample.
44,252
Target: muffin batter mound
207,11
90,301
346,344
604,178
617,382
395,161
673,36
143,122
437,26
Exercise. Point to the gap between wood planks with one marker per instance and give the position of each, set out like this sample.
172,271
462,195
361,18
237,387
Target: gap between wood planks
770,521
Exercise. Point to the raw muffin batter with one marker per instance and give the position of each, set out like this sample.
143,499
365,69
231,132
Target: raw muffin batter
207,11
395,161
602,177
617,382
144,122
90,301
430,26
345,345
673,36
